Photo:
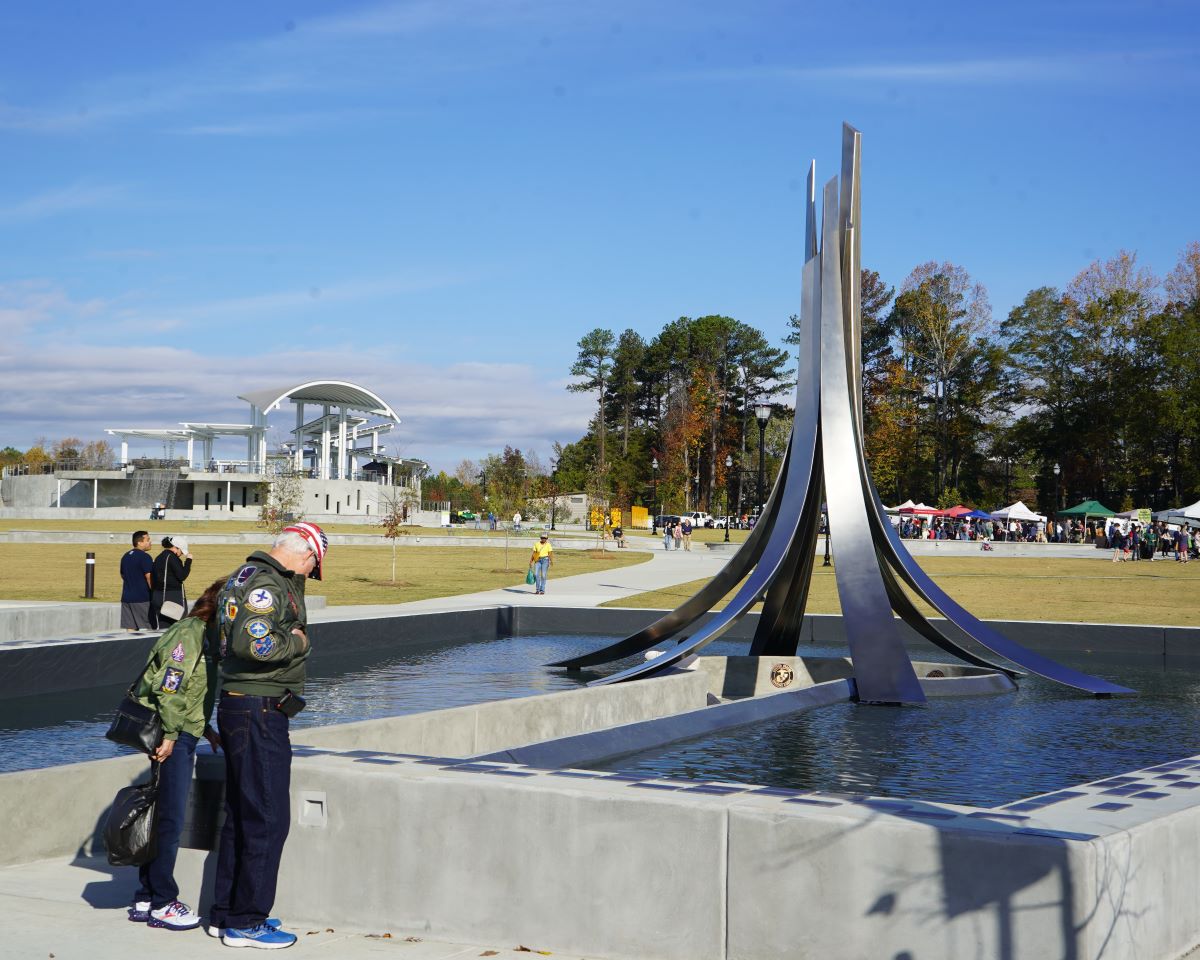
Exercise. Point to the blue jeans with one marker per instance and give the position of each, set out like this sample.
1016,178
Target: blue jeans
540,570
157,878
258,775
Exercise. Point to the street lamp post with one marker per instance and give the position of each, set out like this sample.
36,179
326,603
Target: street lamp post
728,464
1057,471
657,505
763,412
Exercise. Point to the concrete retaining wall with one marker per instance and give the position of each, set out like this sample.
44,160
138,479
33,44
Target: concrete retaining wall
607,868
57,810
504,724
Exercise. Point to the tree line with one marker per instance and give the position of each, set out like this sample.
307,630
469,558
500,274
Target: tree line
1091,391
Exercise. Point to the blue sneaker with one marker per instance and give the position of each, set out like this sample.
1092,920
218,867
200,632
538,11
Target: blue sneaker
139,911
214,931
262,937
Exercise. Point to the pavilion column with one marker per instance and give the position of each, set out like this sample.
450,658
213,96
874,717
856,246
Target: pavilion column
342,458
250,438
374,443
325,454
124,454
95,493
58,494
191,450
299,457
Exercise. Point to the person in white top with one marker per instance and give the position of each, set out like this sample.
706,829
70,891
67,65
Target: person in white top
517,520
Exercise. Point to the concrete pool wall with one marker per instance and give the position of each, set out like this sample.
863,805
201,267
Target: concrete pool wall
72,661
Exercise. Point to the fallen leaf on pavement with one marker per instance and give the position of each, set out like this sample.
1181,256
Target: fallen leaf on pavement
380,936
489,953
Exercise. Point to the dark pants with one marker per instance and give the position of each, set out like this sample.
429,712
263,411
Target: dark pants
174,782
258,773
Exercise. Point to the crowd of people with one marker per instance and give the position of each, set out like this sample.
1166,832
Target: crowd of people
1141,539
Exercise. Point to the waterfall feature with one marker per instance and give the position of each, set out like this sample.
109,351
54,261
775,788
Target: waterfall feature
154,486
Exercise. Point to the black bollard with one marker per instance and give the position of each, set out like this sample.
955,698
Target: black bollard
89,576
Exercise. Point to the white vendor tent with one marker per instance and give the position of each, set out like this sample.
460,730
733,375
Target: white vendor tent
1017,511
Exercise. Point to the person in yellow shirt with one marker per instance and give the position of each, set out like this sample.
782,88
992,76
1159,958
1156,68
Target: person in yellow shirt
540,560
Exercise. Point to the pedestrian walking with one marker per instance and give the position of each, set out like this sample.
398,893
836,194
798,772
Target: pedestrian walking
540,559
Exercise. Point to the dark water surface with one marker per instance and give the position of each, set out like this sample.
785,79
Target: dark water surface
976,750
69,727
980,751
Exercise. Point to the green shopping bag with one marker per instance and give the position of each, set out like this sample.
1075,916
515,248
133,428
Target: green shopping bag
529,575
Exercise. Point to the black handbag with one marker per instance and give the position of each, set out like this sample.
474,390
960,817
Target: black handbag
136,726
130,831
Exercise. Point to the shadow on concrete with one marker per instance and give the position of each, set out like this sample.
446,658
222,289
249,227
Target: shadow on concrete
993,880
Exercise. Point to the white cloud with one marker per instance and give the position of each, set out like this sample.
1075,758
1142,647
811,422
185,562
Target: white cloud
72,386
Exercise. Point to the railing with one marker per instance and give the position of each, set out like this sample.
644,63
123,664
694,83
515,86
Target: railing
46,467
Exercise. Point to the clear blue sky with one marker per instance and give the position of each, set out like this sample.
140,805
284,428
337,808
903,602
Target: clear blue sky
438,198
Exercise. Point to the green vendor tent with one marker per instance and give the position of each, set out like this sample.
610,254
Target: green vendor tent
1089,508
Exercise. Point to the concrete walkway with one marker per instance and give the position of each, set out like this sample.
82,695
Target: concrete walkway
663,569
76,911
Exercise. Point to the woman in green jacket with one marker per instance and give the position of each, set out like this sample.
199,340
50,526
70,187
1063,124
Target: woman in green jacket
180,683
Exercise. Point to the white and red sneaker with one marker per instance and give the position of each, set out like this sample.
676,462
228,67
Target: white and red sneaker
174,916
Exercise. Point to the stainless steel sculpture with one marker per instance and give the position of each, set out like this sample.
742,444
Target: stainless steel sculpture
826,452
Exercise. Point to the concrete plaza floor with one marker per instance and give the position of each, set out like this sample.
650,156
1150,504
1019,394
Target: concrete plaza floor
76,911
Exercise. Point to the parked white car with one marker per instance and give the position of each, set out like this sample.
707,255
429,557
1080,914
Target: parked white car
700,518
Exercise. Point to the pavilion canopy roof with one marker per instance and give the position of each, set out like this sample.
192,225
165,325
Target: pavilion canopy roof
336,393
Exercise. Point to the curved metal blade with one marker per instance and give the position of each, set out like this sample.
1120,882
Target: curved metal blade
795,489
882,671
778,632
692,609
987,637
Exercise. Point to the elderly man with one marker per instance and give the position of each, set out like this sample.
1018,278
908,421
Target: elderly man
264,645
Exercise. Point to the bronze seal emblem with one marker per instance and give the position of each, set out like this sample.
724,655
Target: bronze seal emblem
781,674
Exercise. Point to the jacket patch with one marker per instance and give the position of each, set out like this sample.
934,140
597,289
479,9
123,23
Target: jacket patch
262,644
231,611
177,653
261,600
172,680
245,574
258,628
261,649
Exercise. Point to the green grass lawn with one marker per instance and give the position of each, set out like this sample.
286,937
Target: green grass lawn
1001,588
38,571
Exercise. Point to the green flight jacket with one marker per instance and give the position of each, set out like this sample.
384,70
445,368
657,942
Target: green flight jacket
180,679
260,605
